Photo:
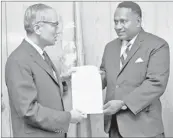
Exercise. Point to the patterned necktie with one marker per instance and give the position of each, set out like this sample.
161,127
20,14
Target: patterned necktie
125,53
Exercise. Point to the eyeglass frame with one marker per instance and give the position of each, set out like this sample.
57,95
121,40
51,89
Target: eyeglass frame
55,24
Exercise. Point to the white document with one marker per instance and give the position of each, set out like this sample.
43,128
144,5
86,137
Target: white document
87,90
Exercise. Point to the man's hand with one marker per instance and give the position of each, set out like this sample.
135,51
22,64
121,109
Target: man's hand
112,107
67,75
77,116
102,72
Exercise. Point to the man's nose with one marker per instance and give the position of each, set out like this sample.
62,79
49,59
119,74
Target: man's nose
118,26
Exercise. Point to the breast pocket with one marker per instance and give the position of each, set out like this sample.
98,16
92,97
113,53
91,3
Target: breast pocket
136,72
141,68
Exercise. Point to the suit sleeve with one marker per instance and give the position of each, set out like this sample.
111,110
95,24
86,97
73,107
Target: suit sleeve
155,83
102,68
23,94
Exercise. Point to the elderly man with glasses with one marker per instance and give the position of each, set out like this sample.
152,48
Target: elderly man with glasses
34,85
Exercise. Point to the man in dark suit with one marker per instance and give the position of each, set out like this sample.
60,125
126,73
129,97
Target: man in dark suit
135,71
34,85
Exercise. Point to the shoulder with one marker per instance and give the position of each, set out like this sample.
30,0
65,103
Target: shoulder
154,40
18,56
112,44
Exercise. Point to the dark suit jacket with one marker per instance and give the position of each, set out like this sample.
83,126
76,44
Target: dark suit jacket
139,85
35,95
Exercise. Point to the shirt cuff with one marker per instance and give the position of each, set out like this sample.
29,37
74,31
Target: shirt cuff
124,107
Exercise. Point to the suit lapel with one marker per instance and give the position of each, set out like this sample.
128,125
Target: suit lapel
43,65
114,58
133,50
58,78
117,55
39,60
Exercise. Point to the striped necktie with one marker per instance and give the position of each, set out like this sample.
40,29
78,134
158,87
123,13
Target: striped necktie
125,53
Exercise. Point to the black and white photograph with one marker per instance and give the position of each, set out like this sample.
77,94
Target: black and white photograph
86,69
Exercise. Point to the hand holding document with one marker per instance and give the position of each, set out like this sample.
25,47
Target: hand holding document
87,90
77,116
67,75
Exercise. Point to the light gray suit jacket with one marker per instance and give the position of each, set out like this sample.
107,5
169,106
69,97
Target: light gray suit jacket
35,95
138,84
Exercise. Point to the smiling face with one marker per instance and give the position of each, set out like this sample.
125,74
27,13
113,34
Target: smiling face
127,23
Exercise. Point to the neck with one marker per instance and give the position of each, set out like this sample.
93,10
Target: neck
137,32
35,40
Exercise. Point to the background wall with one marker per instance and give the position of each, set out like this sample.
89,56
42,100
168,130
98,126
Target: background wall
87,27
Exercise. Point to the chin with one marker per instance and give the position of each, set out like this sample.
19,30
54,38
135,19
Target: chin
122,37
51,44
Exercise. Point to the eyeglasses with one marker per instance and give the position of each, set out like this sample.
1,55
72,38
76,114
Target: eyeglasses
55,24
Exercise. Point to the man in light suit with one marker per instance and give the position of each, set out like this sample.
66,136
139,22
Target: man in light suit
135,71
34,85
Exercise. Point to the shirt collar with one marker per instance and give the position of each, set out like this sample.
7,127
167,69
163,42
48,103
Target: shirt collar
39,50
131,42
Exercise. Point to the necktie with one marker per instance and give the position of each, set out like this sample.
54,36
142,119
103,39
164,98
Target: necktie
52,67
125,53
48,61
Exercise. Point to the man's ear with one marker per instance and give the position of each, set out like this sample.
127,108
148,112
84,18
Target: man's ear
37,29
139,20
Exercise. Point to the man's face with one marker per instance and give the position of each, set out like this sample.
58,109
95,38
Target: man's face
49,29
127,23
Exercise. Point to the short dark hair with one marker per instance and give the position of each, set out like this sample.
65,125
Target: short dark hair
131,5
